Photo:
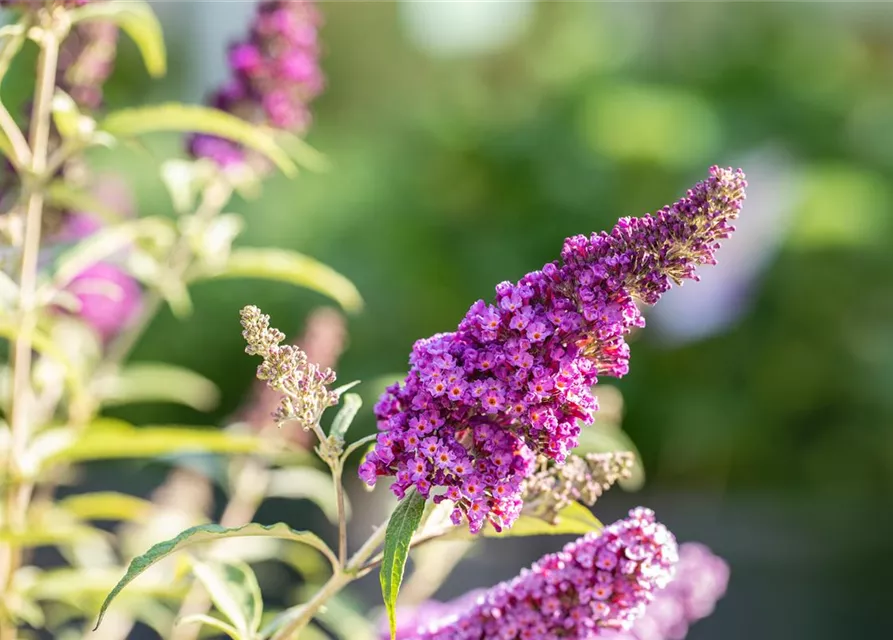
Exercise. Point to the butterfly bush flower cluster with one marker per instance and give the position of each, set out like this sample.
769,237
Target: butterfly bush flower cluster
276,74
580,479
480,404
286,369
107,298
86,60
599,582
701,580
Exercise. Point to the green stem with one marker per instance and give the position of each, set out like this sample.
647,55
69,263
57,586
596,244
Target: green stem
18,490
337,472
336,583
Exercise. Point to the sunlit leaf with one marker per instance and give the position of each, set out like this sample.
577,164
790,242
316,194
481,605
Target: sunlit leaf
301,152
233,589
306,483
106,505
292,267
138,21
111,439
106,242
343,419
575,519
158,382
91,584
214,623
45,536
44,345
174,117
210,533
66,115
401,527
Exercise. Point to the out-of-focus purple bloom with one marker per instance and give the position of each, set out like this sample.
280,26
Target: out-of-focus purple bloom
515,378
109,298
86,60
701,580
599,582
276,74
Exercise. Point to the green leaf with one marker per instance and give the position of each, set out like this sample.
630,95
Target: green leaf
106,505
128,123
108,241
138,21
575,519
296,483
291,267
66,115
112,439
158,382
401,527
344,388
209,533
301,152
45,346
46,537
345,416
220,625
91,584
234,591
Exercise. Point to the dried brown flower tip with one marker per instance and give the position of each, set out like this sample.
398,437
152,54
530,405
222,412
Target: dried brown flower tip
583,479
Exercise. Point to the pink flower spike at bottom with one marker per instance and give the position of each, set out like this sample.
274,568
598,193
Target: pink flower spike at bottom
600,582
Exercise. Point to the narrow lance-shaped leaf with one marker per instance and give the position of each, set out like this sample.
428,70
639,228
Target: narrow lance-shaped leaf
233,589
210,533
111,439
292,267
106,505
346,415
158,382
106,242
214,623
174,117
401,527
574,519
138,21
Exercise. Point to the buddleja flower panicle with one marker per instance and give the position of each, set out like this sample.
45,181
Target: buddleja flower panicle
599,582
701,580
286,369
275,76
482,403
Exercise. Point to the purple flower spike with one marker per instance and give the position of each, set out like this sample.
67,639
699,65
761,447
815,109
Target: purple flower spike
515,378
597,583
701,580
276,74
109,298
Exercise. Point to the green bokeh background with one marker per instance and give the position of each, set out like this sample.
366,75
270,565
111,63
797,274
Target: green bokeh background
772,440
